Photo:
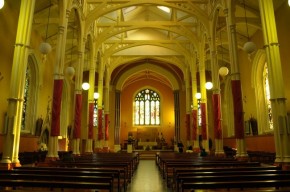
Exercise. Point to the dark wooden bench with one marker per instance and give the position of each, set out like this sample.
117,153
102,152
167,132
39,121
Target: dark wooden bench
118,173
169,173
233,176
11,179
242,184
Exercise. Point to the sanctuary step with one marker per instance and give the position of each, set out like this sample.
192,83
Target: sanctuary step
148,154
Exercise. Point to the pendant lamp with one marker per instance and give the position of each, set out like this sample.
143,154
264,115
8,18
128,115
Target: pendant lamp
1,4
45,47
70,71
249,47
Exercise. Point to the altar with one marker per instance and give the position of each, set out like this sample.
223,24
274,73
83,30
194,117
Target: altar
146,144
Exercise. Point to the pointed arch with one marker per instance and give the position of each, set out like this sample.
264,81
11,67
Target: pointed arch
31,91
258,83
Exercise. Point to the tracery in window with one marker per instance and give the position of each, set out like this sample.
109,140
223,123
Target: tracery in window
198,113
147,108
267,96
96,113
26,96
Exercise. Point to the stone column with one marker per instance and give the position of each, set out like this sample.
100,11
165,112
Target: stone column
188,107
16,92
177,117
78,101
117,146
194,103
203,101
89,143
278,100
107,108
100,103
216,99
236,83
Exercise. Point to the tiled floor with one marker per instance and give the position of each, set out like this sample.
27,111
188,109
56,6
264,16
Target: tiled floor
147,178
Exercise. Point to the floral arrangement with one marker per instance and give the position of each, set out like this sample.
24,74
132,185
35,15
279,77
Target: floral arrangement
42,147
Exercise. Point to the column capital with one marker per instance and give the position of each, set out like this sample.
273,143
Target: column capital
61,29
226,12
67,13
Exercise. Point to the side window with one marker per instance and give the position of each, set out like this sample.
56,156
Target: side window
26,96
146,108
30,97
267,96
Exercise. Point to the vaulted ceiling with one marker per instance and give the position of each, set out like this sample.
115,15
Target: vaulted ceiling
136,32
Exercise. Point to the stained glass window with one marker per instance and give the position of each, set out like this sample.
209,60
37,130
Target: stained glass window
26,96
95,113
147,108
267,96
198,113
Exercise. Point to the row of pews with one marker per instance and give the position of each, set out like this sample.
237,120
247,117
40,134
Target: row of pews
186,172
97,172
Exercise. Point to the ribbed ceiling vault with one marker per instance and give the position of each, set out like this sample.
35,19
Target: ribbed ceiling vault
129,33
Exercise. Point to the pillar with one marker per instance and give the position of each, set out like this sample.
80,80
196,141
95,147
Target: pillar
278,100
16,92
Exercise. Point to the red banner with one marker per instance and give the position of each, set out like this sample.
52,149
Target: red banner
100,124
216,116
187,125
78,114
203,121
194,124
56,106
238,109
91,121
107,123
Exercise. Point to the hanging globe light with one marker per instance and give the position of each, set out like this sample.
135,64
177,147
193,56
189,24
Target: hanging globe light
249,47
198,95
208,85
85,86
45,48
1,4
96,95
70,72
223,71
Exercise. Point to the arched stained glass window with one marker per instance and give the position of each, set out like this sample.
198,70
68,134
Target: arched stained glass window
95,113
26,96
147,108
267,96
30,96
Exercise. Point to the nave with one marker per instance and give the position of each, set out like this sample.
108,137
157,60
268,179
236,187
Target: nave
147,178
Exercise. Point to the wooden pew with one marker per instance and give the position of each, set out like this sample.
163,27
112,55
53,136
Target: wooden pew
128,162
242,184
93,165
230,176
77,171
168,170
11,179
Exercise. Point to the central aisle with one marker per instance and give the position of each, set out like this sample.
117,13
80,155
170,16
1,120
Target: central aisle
147,178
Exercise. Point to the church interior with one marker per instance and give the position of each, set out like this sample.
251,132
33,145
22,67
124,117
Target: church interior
144,78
